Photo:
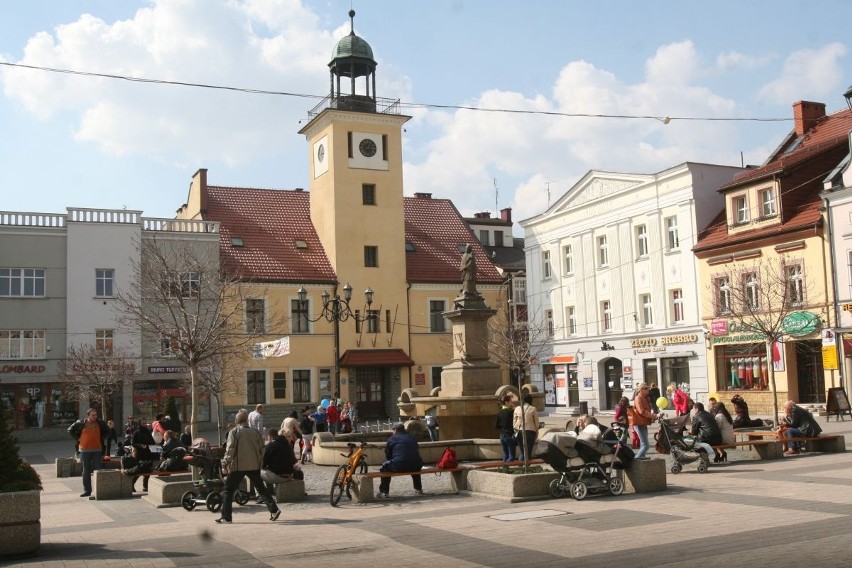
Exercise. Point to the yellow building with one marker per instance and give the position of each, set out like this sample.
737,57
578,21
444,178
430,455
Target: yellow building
353,227
768,252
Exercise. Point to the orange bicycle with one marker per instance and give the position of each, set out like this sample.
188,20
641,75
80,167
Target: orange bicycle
355,463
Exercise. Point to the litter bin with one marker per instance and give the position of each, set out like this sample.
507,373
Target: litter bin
584,407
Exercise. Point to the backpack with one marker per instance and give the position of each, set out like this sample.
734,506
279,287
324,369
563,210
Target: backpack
448,459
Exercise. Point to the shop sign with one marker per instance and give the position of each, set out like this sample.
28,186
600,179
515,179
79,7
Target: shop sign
105,368
22,369
676,339
829,357
167,370
744,338
719,327
799,324
846,307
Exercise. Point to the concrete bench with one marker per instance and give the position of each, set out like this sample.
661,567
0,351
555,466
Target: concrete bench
111,484
364,492
761,449
290,491
68,467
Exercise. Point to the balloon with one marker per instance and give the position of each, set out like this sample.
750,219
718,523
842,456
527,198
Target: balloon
325,402
662,403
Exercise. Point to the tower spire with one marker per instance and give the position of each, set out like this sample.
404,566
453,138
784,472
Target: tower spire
352,21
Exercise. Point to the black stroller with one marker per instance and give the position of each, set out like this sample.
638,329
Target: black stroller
208,489
670,441
585,465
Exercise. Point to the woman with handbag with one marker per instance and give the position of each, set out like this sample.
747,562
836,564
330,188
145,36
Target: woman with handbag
641,417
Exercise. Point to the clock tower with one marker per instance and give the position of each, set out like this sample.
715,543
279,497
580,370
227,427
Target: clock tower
356,193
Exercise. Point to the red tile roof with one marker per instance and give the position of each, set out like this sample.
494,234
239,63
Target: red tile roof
375,358
436,229
800,172
270,221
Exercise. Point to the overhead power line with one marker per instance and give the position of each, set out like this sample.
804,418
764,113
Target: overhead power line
662,119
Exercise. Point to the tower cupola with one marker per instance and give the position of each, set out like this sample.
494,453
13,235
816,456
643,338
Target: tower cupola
352,58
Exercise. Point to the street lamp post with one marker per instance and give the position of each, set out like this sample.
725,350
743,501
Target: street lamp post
334,311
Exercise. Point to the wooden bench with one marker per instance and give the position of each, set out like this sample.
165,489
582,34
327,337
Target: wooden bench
768,446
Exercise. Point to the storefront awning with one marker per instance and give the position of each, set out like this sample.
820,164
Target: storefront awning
376,358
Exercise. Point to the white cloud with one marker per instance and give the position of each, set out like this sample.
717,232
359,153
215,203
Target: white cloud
808,74
736,61
524,152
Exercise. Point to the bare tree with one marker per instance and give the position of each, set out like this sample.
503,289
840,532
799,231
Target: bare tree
217,378
761,297
95,373
515,345
188,307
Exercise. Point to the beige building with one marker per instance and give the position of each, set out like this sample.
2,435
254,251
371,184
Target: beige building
354,226
768,251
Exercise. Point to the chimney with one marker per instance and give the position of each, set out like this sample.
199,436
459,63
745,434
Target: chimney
423,195
806,114
506,214
482,215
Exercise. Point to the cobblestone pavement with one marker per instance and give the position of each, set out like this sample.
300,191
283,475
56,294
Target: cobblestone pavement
789,512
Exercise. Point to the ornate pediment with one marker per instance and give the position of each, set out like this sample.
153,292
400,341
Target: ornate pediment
598,188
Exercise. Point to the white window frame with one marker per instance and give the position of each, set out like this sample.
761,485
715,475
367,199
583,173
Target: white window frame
740,206
546,270
647,310
606,316
642,241
571,320
795,276
548,318
768,203
104,341
723,296
17,282
678,314
603,252
849,270
17,344
568,256
104,283
672,235
751,284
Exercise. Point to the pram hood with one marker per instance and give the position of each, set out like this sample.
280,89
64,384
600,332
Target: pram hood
562,441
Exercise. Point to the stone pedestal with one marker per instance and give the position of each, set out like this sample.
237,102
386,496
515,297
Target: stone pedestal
68,467
510,487
827,444
20,523
167,491
644,476
111,484
290,491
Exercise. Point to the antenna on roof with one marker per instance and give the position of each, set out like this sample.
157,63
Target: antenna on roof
496,195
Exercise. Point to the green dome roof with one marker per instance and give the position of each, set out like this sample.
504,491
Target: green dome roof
352,46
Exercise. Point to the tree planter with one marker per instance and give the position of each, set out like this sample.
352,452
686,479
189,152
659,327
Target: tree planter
20,524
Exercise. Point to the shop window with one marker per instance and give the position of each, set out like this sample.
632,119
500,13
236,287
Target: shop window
742,367
675,372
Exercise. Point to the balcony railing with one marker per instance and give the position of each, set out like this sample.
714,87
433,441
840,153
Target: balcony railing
180,225
19,219
115,216
357,103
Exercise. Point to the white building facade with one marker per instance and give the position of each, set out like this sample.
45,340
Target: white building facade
612,279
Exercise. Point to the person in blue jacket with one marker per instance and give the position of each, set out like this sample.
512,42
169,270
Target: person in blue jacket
403,455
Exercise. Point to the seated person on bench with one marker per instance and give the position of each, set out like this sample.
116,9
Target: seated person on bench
800,424
705,429
403,455
279,461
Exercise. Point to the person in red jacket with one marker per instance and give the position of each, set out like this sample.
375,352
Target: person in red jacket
333,417
679,399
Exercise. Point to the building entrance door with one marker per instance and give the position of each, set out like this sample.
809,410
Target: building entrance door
369,393
810,371
612,382
573,386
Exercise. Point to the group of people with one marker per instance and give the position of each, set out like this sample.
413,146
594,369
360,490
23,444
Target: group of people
338,417
518,426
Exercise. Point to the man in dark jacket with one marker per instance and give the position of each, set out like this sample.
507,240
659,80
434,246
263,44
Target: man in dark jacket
278,461
143,441
801,425
504,425
403,455
704,428
90,433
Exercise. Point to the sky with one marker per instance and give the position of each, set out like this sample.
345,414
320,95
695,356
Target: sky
80,141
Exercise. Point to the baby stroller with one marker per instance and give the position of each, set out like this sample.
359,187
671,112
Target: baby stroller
670,441
207,490
585,465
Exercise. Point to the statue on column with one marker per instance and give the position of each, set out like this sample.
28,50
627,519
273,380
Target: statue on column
468,272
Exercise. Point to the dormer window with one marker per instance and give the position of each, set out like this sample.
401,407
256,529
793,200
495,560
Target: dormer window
300,244
768,207
236,241
409,247
740,204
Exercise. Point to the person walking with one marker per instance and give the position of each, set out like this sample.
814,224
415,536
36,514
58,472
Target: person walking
243,458
90,433
505,426
526,426
641,417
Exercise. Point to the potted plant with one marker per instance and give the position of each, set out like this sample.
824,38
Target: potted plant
20,524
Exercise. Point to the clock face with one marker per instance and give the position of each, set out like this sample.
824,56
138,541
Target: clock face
367,148
321,152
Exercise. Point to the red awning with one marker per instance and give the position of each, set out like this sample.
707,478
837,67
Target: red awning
376,358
